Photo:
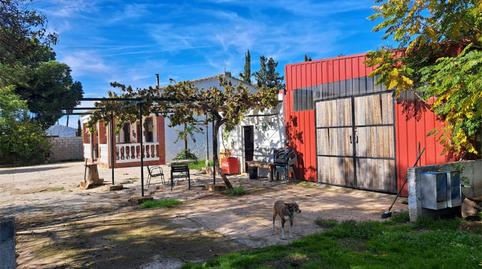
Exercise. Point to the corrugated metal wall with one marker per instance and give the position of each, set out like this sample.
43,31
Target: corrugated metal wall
413,123
329,76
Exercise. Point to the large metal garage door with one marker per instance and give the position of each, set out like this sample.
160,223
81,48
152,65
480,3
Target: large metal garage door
355,142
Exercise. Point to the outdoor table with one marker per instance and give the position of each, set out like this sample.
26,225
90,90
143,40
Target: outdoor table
258,164
180,166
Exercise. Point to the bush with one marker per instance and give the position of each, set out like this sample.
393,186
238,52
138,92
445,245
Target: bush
186,156
22,141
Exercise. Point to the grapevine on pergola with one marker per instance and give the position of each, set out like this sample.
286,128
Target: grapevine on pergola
225,106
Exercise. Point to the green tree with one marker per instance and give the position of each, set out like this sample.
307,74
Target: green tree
49,89
308,58
27,61
267,76
246,75
438,55
23,36
225,106
21,140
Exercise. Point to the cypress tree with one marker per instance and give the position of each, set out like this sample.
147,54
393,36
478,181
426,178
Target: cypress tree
246,75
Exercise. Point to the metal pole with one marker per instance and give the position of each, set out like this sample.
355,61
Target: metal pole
207,144
214,166
142,151
112,161
92,146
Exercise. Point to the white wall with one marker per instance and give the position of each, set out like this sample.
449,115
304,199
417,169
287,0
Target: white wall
198,147
269,134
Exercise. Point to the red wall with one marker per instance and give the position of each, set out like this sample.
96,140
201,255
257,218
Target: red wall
300,126
102,133
413,123
411,127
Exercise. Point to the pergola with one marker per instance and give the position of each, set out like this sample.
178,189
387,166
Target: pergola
130,101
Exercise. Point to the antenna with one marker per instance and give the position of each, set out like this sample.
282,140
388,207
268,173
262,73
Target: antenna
157,80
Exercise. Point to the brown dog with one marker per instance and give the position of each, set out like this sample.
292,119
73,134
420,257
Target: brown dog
283,210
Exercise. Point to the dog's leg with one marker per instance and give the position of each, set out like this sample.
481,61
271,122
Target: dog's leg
290,235
283,228
274,218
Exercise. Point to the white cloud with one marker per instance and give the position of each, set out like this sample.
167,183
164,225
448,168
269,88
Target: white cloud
129,43
85,63
67,8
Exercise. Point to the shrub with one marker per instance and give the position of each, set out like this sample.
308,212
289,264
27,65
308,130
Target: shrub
183,155
22,141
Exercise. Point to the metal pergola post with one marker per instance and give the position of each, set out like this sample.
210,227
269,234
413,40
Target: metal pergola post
214,153
138,101
142,150
112,161
207,144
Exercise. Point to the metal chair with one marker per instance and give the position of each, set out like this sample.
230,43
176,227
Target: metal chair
155,171
182,171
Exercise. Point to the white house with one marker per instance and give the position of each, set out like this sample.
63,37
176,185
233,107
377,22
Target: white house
202,140
256,137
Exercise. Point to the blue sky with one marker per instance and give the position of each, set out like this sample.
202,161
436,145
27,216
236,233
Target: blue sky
130,41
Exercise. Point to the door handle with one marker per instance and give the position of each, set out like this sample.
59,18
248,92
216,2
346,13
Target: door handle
351,141
357,139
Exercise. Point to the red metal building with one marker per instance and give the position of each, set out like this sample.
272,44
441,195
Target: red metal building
350,131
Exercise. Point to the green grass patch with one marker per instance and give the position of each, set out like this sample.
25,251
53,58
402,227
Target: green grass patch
236,191
391,244
161,203
200,164
326,223
401,217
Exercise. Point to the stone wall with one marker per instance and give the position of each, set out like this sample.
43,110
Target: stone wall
65,149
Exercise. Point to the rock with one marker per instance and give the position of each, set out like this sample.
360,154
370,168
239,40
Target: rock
470,209
116,187
137,200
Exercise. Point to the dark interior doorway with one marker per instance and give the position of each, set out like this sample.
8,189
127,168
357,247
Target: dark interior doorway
248,143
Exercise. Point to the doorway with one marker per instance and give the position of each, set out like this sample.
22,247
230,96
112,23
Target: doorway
248,132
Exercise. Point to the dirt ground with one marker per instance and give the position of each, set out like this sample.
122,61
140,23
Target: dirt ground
61,226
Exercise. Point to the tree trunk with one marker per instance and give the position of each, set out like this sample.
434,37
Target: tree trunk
216,154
